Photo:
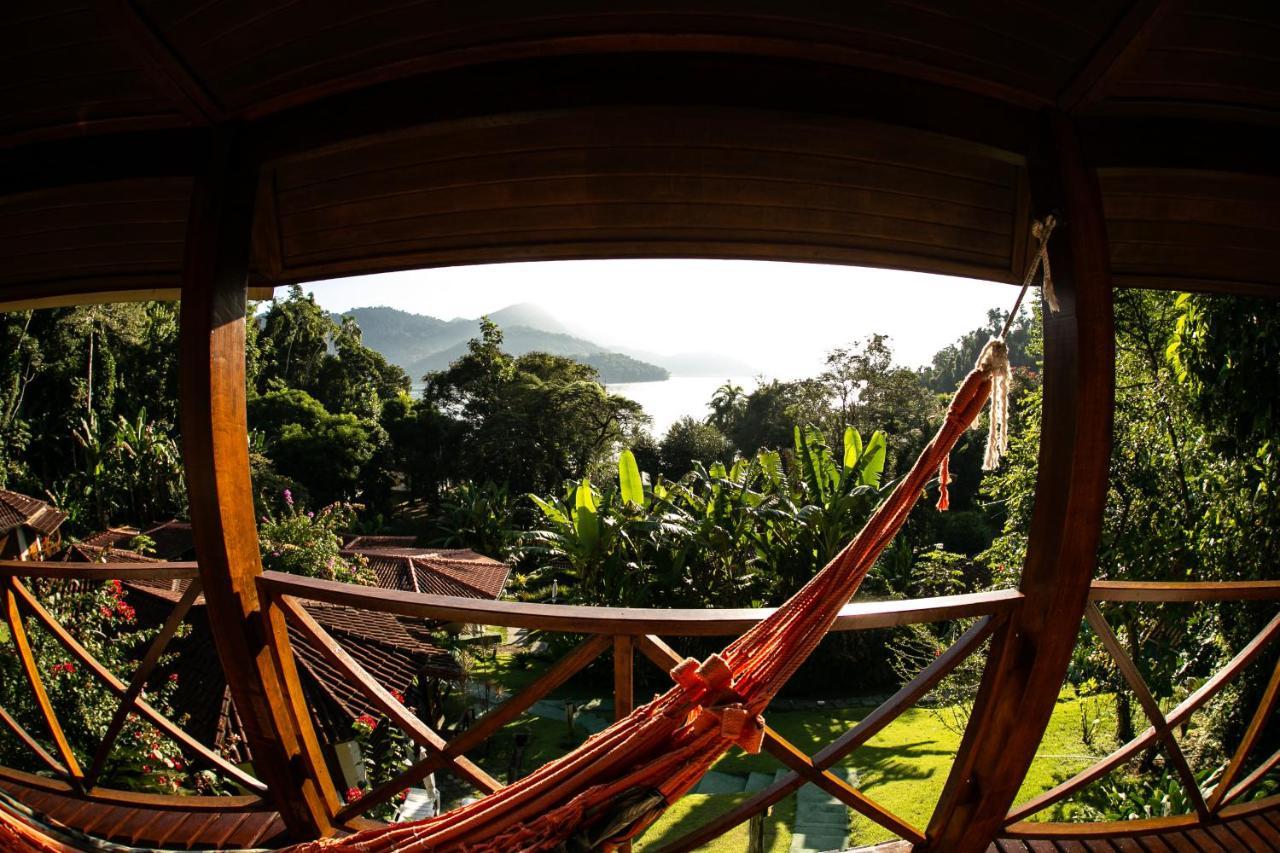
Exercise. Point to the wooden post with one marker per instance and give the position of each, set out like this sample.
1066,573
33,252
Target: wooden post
215,453
1028,660
624,660
623,682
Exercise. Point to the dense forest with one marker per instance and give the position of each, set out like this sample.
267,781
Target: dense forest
530,459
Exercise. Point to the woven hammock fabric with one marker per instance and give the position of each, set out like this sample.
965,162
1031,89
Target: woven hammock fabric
620,780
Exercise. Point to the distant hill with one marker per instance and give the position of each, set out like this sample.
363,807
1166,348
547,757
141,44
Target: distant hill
422,344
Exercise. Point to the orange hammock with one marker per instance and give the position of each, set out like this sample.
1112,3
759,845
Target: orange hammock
618,782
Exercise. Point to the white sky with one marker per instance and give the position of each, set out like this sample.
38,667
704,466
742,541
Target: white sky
781,318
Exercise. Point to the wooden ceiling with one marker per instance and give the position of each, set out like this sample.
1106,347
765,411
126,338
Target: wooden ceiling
396,134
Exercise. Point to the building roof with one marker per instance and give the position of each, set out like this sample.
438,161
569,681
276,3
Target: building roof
18,510
173,540
393,650
438,571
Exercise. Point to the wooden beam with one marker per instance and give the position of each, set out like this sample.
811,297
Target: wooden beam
564,669
13,617
1113,55
1028,661
216,463
161,63
576,619
139,680
1179,715
190,745
394,709
623,680
1150,707
1261,717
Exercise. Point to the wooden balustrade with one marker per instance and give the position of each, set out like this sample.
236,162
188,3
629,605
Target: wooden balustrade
20,605
628,631
1216,804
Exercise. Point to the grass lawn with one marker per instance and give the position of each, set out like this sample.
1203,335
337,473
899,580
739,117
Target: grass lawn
696,809
903,767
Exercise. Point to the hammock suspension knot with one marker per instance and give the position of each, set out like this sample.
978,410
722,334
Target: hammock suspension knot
994,361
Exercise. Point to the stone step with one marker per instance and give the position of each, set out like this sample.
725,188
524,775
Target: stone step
819,842
715,782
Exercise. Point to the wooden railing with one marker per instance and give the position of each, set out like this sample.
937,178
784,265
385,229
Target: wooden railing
626,631
20,605
1229,787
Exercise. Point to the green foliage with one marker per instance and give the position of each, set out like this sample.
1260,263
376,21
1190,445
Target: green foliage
69,369
101,619
1188,494
688,441
1124,796
479,517
529,421
385,750
132,470
307,543
750,533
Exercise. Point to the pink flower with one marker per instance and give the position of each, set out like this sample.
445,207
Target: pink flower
288,497
173,676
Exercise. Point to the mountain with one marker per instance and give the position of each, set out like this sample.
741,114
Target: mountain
421,344
697,364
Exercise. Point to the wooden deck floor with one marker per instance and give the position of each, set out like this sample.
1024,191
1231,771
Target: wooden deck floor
172,822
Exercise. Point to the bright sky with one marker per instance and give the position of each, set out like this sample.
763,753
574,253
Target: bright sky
781,318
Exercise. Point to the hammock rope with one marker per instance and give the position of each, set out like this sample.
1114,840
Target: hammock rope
612,787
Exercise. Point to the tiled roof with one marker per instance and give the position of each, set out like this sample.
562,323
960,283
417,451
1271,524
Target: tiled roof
354,542
438,571
112,537
17,510
394,652
173,540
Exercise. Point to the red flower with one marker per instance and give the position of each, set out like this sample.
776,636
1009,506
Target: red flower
353,794
106,612
367,720
173,676
117,588
399,697
403,795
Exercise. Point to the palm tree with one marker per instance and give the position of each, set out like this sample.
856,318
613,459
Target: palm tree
727,404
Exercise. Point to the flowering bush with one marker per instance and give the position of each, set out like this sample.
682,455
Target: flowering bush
385,750
102,620
307,543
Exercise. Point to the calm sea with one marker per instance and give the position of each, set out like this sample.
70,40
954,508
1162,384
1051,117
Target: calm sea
668,401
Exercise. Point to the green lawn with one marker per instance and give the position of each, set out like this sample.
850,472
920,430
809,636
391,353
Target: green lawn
903,767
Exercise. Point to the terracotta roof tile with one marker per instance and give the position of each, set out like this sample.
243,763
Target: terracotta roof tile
438,571
173,540
351,542
17,510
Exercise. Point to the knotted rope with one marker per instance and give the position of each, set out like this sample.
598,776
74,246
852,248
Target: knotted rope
995,361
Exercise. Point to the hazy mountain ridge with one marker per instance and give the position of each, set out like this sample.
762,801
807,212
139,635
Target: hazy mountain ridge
421,344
